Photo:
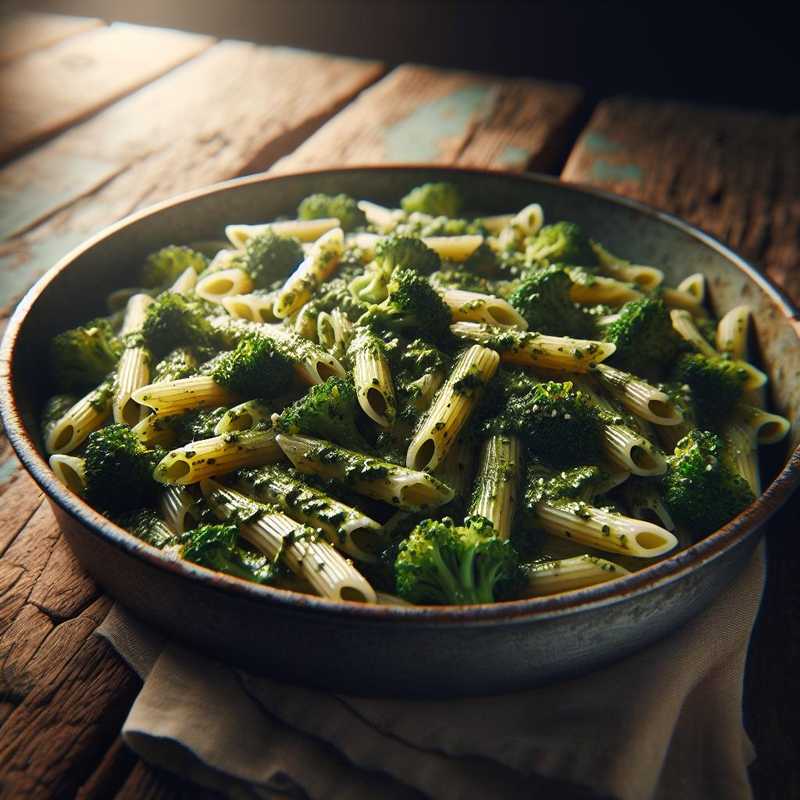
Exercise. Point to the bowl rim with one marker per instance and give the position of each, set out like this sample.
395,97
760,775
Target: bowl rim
662,573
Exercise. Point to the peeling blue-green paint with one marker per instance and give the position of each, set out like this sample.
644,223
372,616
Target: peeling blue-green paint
513,157
600,143
603,170
8,468
16,278
417,137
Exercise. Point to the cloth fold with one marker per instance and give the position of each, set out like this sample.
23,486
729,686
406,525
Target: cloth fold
663,723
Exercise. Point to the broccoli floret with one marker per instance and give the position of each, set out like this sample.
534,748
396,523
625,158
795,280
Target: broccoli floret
716,384
442,226
256,368
173,321
329,411
217,547
483,261
563,243
543,484
180,363
543,299
646,342
341,206
165,266
146,525
119,470
412,306
81,357
444,564
556,422
413,367
460,279
268,258
196,425
436,199
701,489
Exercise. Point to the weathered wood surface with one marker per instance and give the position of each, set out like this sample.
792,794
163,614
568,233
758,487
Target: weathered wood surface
737,175
48,90
734,173
419,114
232,110
23,32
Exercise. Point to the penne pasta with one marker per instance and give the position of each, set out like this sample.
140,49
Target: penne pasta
593,289
451,408
345,527
185,282
525,222
732,331
604,530
318,266
372,378
231,282
173,397
70,470
278,536
527,349
404,488
383,219
694,285
179,509
156,430
91,412
766,428
646,278
133,370
306,230
631,452
682,301
475,307
644,501
206,458
497,485
639,397
243,417
568,574
254,306
454,248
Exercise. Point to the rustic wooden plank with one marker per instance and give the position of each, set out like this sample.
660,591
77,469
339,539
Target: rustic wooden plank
733,173
736,174
256,104
421,114
51,742
23,32
50,89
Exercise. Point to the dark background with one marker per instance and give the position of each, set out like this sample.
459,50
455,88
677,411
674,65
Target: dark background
732,54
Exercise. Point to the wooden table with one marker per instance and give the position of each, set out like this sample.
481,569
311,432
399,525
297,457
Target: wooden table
100,120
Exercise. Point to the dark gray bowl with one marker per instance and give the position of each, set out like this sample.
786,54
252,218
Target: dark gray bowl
387,650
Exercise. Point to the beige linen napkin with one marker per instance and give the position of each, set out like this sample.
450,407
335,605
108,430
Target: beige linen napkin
664,723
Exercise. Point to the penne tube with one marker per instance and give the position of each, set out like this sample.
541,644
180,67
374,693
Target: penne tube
475,307
91,412
334,332
497,484
317,267
179,509
185,282
766,428
646,278
255,306
457,469
732,331
631,452
383,219
568,574
694,285
496,222
365,242
231,282
306,230
156,430
243,417
528,349
525,222
215,456
682,301
70,470
604,530
598,289
454,248
298,546
305,321
133,369
372,378
639,397
404,488
172,397
451,408
345,527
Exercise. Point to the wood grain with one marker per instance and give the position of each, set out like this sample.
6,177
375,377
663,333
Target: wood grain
234,109
734,173
47,90
23,32
737,175
421,114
